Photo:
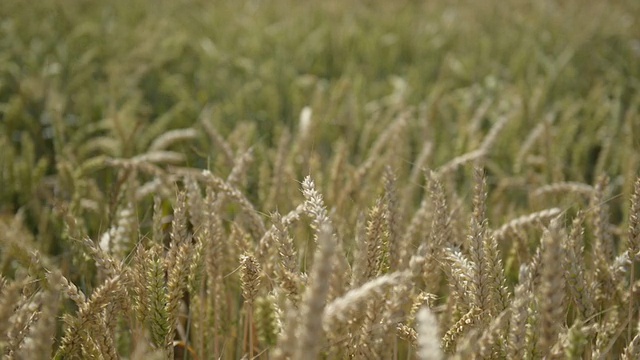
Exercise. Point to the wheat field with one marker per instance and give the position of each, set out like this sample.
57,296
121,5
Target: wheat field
320,180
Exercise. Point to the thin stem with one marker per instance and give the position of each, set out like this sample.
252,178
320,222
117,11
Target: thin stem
631,282
250,330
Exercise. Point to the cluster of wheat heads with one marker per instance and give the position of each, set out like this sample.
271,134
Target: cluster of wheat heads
192,266
115,244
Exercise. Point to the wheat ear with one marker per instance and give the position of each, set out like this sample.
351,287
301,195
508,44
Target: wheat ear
314,300
551,292
428,338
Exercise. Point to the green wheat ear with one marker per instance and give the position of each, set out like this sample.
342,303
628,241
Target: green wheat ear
156,290
267,320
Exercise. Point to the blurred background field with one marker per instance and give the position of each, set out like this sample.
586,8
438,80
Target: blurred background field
80,80
86,84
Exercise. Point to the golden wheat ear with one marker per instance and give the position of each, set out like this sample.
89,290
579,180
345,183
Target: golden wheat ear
552,287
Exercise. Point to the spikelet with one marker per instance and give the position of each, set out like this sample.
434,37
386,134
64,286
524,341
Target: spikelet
356,180
466,322
575,270
250,277
256,224
396,252
634,224
574,342
492,136
215,136
528,144
564,187
375,239
305,121
407,333
476,242
485,344
603,246
315,207
286,248
475,155
458,161
267,321
606,332
170,137
419,166
156,291
105,262
20,324
117,241
156,157
179,225
314,203
520,310
278,173
77,338
177,273
140,297
337,171
287,341
287,268
238,173
347,307
632,351
603,242
417,224
195,273
421,300
250,282
194,202
497,281
360,253
460,274
440,235
279,235
40,336
512,227
633,249
157,235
